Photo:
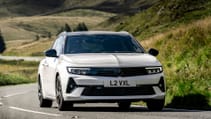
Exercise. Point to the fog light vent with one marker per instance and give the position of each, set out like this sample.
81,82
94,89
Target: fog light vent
161,84
71,85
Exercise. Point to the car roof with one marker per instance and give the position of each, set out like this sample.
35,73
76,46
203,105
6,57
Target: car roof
123,33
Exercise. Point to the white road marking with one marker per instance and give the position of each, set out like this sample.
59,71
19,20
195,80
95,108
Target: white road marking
36,112
1,102
15,94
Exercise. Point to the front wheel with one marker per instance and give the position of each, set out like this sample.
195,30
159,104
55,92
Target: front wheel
43,102
62,105
155,104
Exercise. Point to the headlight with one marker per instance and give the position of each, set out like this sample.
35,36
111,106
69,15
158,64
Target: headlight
94,71
154,70
79,71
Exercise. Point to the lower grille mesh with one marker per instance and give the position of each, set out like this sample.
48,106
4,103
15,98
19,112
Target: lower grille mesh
126,91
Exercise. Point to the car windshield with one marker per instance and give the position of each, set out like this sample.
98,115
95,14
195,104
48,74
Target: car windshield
101,44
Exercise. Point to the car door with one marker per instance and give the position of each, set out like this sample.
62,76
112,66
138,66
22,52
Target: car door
51,65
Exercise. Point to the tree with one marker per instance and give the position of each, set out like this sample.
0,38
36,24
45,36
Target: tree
67,28
81,27
85,28
2,44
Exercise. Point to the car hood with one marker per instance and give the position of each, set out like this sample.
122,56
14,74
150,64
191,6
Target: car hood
111,60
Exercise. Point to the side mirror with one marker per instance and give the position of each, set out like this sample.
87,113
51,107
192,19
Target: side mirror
51,53
153,52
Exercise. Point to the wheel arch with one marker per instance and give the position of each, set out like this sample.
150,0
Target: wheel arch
62,80
39,80
57,74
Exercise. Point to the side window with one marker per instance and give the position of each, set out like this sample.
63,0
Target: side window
59,45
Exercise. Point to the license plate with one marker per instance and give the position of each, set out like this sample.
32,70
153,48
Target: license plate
119,83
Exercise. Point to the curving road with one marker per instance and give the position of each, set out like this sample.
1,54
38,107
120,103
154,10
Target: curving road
20,102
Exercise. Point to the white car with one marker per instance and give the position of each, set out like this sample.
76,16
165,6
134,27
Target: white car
100,66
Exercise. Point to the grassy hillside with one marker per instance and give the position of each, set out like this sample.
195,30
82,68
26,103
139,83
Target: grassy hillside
13,8
116,6
165,15
28,47
22,28
185,53
86,13
181,31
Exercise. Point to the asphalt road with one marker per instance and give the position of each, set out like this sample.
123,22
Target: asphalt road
21,102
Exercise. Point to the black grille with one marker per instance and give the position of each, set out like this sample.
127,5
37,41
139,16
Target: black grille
133,71
125,91
115,72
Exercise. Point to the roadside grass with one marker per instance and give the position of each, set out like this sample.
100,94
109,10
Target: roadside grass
185,53
17,72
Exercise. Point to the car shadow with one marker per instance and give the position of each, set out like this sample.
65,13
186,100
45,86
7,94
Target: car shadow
106,109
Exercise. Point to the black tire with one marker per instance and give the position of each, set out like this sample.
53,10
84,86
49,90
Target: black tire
155,105
43,102
62,105
124,105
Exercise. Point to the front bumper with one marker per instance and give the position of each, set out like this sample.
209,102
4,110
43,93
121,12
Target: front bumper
91,88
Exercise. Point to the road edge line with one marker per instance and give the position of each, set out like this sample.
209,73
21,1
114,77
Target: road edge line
31,111
15,94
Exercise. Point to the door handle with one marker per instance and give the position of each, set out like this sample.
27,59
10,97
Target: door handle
45,64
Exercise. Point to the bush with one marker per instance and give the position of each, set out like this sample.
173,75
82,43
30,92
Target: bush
190,101
2,44
185,55
6,79
67,28
177,8
81,27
